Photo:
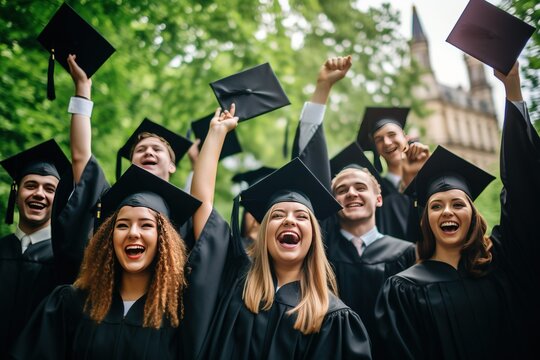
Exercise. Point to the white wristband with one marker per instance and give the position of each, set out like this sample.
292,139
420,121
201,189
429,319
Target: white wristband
78,105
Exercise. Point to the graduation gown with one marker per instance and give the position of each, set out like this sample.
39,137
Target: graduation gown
25,280
73,216
237,333
433,311
360,278
396,213
61,330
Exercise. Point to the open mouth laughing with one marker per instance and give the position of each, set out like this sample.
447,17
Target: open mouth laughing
36,205
449,227
134,251
288,239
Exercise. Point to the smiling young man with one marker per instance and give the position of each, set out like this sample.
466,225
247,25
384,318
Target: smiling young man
27,265
362,257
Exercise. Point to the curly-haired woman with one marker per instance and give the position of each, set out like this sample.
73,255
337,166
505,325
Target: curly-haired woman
127,301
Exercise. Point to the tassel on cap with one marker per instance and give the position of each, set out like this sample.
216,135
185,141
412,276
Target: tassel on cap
286,141
51,95
118,165
236,231
11,203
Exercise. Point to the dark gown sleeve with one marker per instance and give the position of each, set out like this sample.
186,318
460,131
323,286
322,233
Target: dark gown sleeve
74,216
206,266
315,155
342,336
397,320
49,333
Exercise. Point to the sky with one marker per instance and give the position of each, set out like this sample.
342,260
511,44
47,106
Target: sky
438,17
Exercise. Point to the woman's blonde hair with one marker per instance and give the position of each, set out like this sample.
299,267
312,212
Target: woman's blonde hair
476,250
317,279
100,273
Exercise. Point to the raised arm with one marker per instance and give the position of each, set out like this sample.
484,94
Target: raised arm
81,130
309,141
205,171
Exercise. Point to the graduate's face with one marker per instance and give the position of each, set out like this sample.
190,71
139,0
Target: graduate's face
35,196
152,155
289,233
135,238
390,142
450,217
357,194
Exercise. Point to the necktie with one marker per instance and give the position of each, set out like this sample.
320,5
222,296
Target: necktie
25,242
359,244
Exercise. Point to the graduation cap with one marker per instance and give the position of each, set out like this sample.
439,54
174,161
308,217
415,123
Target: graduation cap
374,119
255,91
293,182
490,34
179,144
231,145
68,33
45,159
252,176
350,156
140,188
445,171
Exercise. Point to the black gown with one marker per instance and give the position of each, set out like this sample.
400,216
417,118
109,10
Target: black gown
433,311
59,329
74,216
396,213
25,280
237,333
360,278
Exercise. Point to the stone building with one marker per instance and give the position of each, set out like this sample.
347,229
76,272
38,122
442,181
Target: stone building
462,120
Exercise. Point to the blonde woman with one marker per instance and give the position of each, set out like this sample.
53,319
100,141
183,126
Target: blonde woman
281,303
127,301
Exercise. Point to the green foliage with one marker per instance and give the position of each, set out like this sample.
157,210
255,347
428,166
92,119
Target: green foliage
529,11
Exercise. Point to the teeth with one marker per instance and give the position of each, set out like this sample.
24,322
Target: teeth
289,237
355,204
449,223
36,205
134,247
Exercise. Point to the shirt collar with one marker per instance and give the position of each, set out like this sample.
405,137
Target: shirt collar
393,178
368,238
35,237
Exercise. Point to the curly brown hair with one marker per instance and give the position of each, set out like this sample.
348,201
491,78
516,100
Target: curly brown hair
476,250
100,272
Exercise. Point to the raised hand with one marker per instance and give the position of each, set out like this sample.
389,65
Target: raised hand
224,119
413,158
511,82
83,85
333,70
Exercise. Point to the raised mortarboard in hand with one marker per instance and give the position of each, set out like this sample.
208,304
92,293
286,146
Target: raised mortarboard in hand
140,188
68,33
293,182
490,34
231,145
179,144
352,156
45,159
374,119
445,171
255,91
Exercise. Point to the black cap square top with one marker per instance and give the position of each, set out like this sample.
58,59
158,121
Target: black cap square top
68,33
231,145
350,156
140,188
292,182
490,34
252,176
254,91
445,171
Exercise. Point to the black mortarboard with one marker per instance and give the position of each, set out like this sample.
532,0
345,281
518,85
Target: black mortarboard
445,171
44,159
231,145
252,176
179,144
255,91
375,118
138,187
68,33
490,34
293,182
350,156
